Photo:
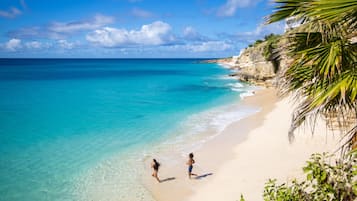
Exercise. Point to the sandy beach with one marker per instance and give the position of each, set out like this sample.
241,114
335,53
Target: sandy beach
245,155
120,100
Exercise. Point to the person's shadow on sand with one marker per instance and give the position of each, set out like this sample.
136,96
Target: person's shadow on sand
167,179
203,176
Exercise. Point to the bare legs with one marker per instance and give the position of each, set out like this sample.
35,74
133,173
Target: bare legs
190,174
155,175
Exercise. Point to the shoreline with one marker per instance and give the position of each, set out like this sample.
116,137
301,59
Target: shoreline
122,175
181,186
244,156
267,154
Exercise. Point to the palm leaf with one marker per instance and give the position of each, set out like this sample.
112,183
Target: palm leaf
323,71
329,10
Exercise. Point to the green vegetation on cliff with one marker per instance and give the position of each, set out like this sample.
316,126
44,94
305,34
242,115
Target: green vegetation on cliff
270,49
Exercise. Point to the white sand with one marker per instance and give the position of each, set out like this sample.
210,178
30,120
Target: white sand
244,156
266,153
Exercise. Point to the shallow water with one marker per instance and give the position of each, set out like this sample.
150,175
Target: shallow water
75,129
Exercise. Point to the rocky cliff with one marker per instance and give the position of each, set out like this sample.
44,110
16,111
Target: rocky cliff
257,66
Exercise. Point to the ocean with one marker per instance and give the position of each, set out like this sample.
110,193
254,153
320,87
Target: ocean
80,129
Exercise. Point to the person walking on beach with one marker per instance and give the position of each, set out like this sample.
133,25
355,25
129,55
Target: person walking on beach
190,163
155,165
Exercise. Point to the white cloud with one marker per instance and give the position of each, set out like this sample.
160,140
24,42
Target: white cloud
13,12
209,46
262,29
156,33
60,30
33,45
13,45
97,22
190,33
137,12
258,33
64,44
36,45
231,6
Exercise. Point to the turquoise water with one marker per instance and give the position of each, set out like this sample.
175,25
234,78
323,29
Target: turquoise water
63,119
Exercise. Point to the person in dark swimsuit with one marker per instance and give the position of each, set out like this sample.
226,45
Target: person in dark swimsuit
155,166
190,163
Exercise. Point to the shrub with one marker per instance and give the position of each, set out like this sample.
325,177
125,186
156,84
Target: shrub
323,182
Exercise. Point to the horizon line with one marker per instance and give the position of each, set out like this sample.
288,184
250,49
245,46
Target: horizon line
115,58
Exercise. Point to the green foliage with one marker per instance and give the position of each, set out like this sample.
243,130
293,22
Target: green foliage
270,51
323,182
323,71
271,46
283,192
257,42
241,198
272,38
308,10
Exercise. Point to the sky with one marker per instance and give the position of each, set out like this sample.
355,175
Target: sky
132,28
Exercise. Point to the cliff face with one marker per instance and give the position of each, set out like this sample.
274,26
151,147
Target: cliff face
252,63
252,66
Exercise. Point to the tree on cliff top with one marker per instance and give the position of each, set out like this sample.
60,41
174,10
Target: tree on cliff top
324,51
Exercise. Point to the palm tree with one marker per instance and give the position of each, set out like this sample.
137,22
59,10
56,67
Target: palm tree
323,71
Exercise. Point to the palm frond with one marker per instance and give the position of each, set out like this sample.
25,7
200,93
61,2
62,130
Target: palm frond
328,10
323,73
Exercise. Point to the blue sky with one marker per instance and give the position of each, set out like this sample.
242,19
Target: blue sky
131,28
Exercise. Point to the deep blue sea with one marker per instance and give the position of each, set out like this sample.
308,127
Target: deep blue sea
72,129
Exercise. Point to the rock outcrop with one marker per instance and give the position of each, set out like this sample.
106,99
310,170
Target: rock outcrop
259,64
253,66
